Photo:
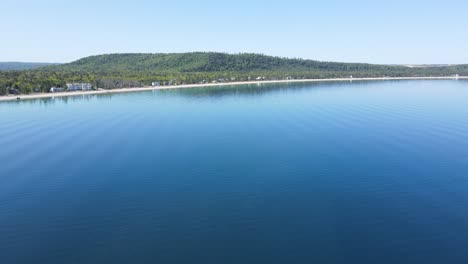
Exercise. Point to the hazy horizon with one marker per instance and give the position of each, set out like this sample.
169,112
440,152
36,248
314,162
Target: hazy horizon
398,32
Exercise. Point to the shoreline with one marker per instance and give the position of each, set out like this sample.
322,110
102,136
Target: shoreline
185,86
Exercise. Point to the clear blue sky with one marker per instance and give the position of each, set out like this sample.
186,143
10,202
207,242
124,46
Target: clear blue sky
398,31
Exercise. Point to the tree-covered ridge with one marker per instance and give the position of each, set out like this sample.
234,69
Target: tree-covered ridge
134,70
209,62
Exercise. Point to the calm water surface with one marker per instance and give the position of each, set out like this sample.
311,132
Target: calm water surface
363,172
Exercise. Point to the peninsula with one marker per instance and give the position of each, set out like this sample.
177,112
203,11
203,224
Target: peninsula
104,73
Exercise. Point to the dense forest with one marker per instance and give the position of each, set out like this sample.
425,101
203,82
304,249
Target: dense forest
136,70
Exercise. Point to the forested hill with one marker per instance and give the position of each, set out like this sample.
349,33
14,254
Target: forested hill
133,70
223,62
208,62
18,66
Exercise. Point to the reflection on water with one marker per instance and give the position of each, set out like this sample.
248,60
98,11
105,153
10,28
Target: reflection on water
224,90
213,91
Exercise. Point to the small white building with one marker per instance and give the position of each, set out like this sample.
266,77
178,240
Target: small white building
79,86
56,89
155,84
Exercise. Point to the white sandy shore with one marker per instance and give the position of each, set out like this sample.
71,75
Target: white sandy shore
127,90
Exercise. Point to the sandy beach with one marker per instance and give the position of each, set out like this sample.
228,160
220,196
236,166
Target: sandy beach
149,88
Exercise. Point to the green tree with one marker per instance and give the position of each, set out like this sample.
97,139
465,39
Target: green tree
3,90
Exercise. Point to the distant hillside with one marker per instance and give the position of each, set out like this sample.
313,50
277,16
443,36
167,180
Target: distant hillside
208,62
211,62
19,66
134,70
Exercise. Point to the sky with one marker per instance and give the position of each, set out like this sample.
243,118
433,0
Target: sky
390,32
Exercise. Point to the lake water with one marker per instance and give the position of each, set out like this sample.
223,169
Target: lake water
362,172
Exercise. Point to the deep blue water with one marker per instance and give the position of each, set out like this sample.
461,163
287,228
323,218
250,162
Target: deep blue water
363,172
